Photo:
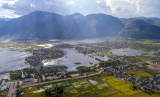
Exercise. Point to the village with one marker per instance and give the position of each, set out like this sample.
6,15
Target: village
40,55
99,47
142,82
32,75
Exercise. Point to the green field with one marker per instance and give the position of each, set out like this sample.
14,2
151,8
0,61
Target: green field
107,86
40,94
153,72
140,58
27,90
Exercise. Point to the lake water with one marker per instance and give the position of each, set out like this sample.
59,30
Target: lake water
126,52
71,57
75,42
105,58
12,60
4,76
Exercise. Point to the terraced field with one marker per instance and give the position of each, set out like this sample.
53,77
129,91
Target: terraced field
97,86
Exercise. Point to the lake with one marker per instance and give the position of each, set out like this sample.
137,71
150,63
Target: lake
126,52
4,76
12,60
71,56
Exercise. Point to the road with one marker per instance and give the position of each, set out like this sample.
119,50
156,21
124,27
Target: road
41,83
12,89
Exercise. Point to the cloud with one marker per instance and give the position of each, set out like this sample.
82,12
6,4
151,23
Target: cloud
132,8
64,7
7,1
23,7
118,8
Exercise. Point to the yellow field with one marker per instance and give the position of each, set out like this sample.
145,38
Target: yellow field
108,86
145,74
114,81
124,87
139,73
118,95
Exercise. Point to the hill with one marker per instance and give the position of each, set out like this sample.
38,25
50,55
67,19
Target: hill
44,25
140,29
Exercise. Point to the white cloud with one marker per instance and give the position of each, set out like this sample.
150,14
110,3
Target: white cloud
119,8
6,13
70,2
8,1
131,8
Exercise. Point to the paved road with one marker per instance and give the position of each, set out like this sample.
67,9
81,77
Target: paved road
41,83
12,89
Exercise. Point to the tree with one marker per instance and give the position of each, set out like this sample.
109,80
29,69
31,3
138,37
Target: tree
54,91
134,87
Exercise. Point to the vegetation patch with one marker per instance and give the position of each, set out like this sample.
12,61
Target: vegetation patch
75,75
114,81
140,58
118,95
132,92
39,94
108,86
52,68
153,72
102,86
14,75
31,89
139,73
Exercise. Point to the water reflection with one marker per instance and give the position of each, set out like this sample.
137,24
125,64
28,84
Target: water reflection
4,76
12,60
71,57
126,52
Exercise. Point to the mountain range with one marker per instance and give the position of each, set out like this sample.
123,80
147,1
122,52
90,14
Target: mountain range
45,25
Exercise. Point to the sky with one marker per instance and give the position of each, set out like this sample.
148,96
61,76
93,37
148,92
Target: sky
117,8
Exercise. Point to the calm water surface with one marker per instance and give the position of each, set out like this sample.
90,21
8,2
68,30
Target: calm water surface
71,57
12,60
126,52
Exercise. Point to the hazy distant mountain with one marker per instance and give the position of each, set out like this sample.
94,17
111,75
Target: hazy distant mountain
141,29
153,21
2,23
44,25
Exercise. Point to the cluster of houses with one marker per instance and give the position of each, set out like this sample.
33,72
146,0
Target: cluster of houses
119,74
145,83
139,64
53,74
107,44
97,47
90,50
148,84
113,44
30,77
29,80
130,67
3,85
43,75
64,46
39,55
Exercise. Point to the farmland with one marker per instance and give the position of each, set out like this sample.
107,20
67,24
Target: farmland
139,73
97,86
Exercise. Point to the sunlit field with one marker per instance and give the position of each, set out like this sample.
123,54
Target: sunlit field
106,86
